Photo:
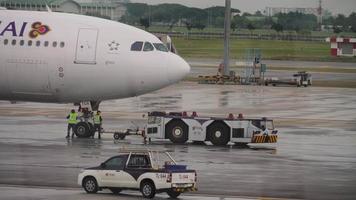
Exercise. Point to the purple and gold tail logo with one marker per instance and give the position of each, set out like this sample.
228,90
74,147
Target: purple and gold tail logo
38,29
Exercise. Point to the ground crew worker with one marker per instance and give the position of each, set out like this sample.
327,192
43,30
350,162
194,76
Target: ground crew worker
98,120
72,121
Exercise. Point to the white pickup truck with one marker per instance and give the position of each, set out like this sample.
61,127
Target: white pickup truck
150,172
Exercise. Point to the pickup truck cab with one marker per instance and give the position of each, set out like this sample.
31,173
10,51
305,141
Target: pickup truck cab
148,171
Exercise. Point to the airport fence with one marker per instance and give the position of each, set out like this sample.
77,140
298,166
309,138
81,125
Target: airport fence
207,35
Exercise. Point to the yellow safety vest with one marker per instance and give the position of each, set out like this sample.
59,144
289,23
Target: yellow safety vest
97,119
72,118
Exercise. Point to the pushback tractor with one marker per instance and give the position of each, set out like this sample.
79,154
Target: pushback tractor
179,127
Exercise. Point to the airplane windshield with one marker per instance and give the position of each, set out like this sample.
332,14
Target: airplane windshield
148,47
137,46
160,47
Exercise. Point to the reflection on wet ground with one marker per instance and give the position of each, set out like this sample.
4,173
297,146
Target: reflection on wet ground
314,158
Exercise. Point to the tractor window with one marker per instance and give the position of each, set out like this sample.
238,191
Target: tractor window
154,120
269,125
256,123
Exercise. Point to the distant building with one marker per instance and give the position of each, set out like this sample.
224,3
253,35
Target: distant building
271,11
342,46
111,9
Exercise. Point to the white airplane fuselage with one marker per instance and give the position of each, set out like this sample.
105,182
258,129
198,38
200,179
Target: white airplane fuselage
66,58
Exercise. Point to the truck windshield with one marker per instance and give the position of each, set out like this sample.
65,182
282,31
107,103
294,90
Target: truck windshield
270,125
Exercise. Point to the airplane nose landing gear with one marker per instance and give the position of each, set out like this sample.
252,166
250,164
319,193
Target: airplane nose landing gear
84,130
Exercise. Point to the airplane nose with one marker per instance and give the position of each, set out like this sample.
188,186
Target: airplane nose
178,69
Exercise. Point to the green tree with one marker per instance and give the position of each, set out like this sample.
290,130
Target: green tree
258,13
250,27
341,21
188,25
277,27
352,22
199,26
241,21
145,22
233,26
337,29
297,21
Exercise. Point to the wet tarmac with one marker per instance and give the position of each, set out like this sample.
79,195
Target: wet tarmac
315,157
24,192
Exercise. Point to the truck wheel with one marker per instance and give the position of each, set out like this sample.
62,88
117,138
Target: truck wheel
177,132
90,185
173,194
115,190
148,189
83,130
118,136
218,134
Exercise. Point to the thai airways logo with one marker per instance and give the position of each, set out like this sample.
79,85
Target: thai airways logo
16,29
38,29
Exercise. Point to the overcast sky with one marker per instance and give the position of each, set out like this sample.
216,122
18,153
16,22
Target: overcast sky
335,6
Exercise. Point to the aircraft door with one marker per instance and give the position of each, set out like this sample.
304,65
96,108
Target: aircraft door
86,46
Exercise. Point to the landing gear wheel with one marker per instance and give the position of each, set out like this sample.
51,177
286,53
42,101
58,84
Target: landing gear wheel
84,130
148,189
219,134
116,136
119,136
115,190
173,194
90,185
177,132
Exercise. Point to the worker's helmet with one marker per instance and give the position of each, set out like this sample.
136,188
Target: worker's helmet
73,111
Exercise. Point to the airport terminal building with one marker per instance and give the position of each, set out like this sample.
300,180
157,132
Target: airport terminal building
110,9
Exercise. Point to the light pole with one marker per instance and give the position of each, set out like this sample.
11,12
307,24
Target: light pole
227,31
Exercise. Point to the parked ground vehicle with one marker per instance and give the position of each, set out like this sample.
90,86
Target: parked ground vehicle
299,79
179,127
150,172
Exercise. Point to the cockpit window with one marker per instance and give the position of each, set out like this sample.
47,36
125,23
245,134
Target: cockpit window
137,46
148,47
160,47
